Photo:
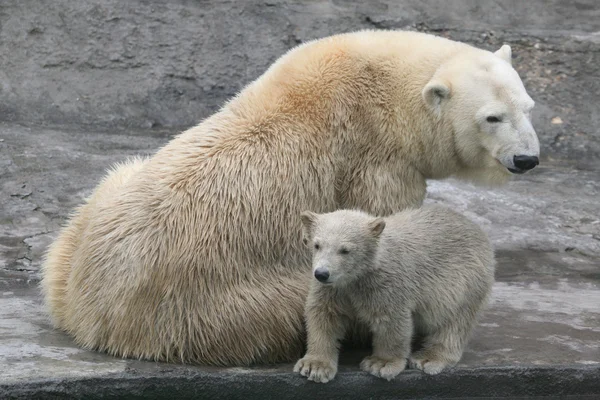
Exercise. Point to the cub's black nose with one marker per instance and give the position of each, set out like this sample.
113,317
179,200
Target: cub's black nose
525,163
322,274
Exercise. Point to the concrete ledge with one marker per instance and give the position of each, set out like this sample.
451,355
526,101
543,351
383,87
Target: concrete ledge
183,383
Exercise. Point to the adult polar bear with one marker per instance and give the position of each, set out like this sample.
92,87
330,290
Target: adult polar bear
194,255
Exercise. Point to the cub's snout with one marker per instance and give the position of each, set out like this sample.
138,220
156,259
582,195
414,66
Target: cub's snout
322,274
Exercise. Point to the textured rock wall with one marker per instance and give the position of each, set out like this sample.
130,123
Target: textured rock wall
170,63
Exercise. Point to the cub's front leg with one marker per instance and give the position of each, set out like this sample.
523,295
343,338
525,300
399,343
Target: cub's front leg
325,328
391,346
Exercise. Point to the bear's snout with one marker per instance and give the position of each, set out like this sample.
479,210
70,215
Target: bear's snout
322,274
525,163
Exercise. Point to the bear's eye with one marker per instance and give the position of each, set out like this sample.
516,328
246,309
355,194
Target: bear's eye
344,250
317,246
493,119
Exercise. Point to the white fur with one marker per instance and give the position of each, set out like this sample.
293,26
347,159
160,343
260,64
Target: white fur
194,255
424,272
467,96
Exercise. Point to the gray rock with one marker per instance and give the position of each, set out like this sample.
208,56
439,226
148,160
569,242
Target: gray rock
149,64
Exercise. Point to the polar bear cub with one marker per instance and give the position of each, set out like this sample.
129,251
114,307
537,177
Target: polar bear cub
423,272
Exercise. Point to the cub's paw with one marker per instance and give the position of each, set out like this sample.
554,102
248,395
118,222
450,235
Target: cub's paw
383,368
316,369
429,366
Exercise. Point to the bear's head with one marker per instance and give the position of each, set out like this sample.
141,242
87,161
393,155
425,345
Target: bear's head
482,99
343,243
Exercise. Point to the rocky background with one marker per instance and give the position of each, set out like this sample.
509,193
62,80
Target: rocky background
149,64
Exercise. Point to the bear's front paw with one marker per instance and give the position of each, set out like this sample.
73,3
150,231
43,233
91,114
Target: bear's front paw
316,369
383,368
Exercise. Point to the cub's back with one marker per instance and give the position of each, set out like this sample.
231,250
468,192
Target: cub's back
429,225
434,243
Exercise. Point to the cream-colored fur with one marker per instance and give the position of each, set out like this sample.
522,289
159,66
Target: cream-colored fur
424,273
194,254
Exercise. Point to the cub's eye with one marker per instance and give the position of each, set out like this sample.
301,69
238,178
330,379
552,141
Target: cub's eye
344,250
492,119
317,246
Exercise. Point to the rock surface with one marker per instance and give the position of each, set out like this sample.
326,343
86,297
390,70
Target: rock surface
148,63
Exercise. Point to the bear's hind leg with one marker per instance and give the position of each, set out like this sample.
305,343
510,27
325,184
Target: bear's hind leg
442,347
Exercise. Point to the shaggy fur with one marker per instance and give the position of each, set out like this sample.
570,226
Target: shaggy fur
425,272
194,254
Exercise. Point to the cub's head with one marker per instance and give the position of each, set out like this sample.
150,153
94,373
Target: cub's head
343,244
481,98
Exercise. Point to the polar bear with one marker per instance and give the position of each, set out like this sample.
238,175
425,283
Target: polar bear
193,255
424,272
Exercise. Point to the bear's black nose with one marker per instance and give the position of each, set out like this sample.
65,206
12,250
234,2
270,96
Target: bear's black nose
322,274
525,163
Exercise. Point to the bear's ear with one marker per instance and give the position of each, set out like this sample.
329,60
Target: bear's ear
505,53
376,227
434,93
309,219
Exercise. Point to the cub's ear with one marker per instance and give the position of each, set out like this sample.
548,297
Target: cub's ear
434,93
309,220
376,227
505,53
